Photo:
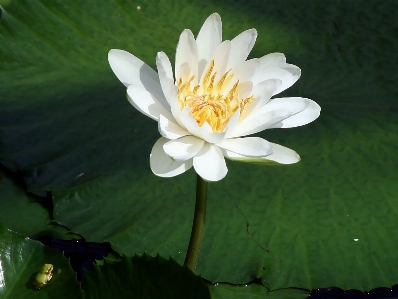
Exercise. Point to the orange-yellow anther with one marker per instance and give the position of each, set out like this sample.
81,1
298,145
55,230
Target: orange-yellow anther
208,73
211,101
221,81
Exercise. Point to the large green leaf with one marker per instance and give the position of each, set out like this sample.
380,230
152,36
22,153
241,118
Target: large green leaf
222,291
19,212
65,124
20,261
145,278
253,291
25,214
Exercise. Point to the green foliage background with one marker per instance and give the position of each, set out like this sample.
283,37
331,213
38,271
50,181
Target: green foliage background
65,126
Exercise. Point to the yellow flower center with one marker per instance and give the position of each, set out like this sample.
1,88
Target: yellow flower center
210,101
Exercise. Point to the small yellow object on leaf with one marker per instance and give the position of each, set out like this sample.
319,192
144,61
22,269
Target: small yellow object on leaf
44,276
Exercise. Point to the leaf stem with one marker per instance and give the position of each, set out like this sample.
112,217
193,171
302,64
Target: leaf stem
198,225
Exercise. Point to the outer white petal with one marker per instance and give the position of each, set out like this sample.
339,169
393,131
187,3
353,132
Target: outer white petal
146,103
287,73
166,77
241,47
272,59
208,39
183,148
294,105
283,155
275,64
280,155
187,52
259,122
204,132
250,146
209,163
162,165
278,113
131,70
303,111
169,129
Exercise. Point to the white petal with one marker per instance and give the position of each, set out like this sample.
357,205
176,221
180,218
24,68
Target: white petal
266,88
262,93
187,52
232,124
210,164
283,155
175,107
146,103
249,146
245,71
280,155
275,113
204,132
169,129
241,47
131,70
183,148
162,165
184,72
287,73
272,59
294,105
128,68
165,75
245,90
208,39
303,111
259,122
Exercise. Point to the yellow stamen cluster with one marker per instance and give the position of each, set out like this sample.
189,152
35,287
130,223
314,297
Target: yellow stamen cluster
210,101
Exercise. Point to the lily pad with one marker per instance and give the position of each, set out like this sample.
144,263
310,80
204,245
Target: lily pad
21,259
23,213
253,291
143,277
32,217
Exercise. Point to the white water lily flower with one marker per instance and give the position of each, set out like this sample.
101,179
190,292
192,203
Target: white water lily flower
214,98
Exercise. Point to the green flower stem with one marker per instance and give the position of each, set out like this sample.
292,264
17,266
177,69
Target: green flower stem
191,259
